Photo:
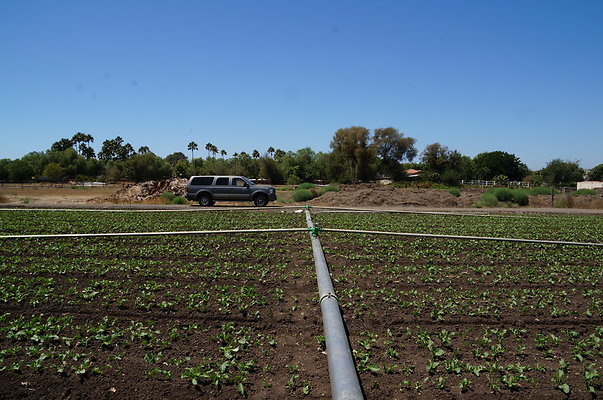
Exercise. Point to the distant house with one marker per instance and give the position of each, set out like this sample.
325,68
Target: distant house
413,173
590,185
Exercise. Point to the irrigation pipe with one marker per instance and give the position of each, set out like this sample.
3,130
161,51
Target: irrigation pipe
498,239
78,235
342,371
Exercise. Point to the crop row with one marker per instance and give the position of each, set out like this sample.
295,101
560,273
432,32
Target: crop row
73,221
579,228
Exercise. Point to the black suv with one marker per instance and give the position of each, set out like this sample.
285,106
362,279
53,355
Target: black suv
207,189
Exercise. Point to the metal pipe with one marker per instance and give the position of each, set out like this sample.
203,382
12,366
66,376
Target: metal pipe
342,371
76,235
498,239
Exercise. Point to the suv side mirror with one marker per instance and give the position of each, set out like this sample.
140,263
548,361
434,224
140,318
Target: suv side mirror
246,185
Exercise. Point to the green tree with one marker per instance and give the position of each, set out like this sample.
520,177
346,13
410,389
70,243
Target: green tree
392,147
175,157
143,150
53,171
115,149
562,173
495,163
435,157
4,163
192,146
352,156
255,154
20,171
61,145
596,174
146,167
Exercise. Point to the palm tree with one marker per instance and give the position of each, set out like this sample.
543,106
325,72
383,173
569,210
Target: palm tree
143,150
223,153
208,147
192,146
77,139
270,151
214,150
255,154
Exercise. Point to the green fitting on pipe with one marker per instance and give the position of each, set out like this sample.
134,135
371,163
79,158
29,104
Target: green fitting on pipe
315,230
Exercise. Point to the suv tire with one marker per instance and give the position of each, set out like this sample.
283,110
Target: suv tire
260,200
205,200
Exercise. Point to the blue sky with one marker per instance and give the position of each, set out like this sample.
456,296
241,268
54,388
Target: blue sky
525,77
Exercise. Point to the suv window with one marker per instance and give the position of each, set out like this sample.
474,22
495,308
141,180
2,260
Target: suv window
238,182
222,181
202,180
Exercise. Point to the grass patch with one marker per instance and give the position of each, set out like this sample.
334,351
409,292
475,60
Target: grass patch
584,192
330,188
455,192
540,190
306,185
169,196
25,200
179,200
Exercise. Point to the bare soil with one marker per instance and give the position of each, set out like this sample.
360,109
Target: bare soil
359,195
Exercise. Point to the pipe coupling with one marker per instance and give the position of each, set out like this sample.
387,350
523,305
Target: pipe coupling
328,295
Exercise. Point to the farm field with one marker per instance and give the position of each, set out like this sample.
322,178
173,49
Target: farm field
233,316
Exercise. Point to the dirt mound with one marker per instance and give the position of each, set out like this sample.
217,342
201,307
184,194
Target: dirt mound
379,195
145,191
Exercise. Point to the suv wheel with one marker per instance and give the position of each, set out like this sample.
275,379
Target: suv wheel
206,200
260,200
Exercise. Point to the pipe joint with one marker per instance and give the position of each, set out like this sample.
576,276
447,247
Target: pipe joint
327,296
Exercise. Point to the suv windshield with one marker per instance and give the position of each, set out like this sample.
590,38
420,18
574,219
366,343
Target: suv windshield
248,181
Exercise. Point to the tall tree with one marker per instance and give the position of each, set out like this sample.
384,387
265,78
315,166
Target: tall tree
192,146
78,139
392,147
255,154
353,157
61,145
435,157
209,148
223,153
143,150
270,151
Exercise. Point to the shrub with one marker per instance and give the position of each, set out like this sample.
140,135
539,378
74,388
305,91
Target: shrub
455,192
306,185
540,190
179,200
584,192
488,200
503,194
520,197
302,195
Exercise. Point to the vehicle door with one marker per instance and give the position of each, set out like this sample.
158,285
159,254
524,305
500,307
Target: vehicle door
221,188
240,189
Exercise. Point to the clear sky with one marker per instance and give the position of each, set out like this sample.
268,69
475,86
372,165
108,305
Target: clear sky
521,76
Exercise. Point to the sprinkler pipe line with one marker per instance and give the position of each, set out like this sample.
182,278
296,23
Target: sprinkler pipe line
342,370
77,235
498,239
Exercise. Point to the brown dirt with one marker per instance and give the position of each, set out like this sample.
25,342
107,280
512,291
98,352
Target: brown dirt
359,195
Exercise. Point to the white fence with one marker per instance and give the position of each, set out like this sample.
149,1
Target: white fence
483,183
